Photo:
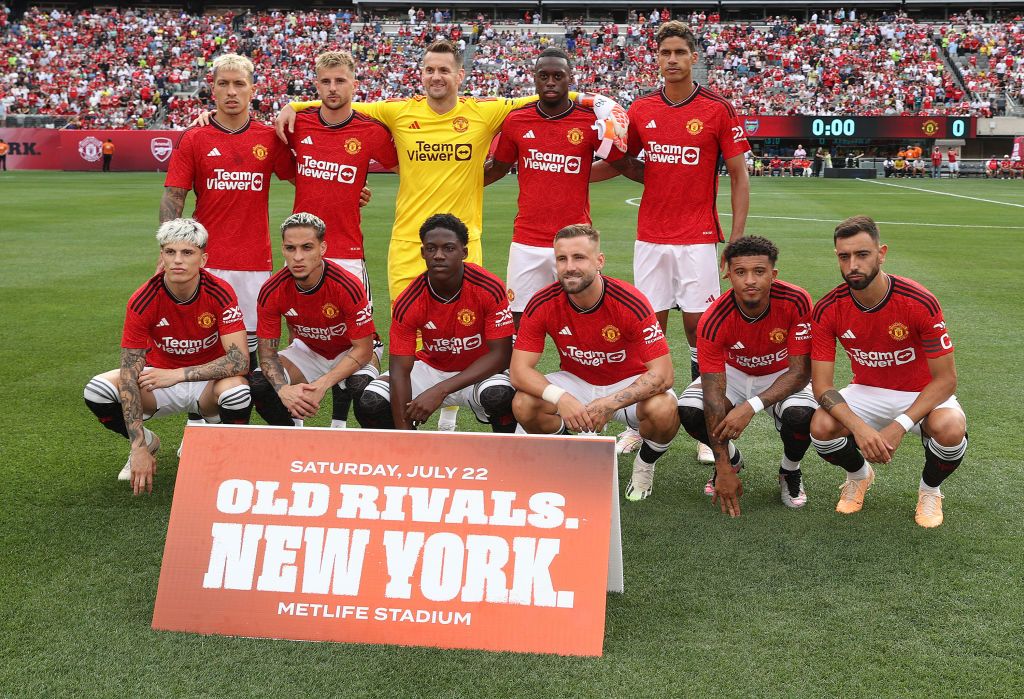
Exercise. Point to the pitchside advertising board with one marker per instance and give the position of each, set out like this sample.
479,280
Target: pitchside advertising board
904,128
464,540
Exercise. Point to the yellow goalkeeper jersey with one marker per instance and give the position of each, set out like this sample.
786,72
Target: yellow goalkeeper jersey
441,156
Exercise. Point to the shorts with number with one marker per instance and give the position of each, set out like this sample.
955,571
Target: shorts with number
180,398
740,387
879,406
423,377
586,392
313,365
405,263
247,287
677,276
530,269
357,268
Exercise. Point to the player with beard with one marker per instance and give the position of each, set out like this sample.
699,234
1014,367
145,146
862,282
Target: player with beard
553,142
682,129
460,311
330,322
904,374
753,346
615,362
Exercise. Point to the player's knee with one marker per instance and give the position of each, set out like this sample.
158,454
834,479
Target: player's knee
692,420
101,389
661,411
495,396
525,407
235,398
373,409
824,426
945,426
357,382
797,419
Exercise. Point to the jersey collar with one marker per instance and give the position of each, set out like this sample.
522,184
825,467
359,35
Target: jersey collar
190,299
751,319
242,129
696,89
340,124
878,306
542,115
316,287
592,309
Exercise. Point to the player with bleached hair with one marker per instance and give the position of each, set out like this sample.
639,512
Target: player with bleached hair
182,349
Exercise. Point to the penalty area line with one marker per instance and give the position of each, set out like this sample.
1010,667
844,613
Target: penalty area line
943,194
636,202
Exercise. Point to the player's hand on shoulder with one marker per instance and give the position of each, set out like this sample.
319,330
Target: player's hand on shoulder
733,424
203,119
574,414
152,378
143,470
285,119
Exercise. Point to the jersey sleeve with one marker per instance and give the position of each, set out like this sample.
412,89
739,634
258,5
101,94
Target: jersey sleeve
799,339
284,163
136,330
384,112
934,335
499,319
402,340
360,318
633,143
494,111
384,151
710,357
230,320
649,336
531,333
732,139
506,152
823,337
268,317
181,170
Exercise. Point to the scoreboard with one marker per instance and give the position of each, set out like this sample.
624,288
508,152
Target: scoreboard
895,127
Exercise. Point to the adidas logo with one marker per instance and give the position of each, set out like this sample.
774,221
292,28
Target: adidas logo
710,299
738,346
565,331
529,134
308,140
430,325
414,125
213,153
651,124
848,335
163,323
291,313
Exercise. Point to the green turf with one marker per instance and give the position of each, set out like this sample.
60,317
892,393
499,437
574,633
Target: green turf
776,603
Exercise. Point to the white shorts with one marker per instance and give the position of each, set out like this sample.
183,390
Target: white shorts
954,167
530,269
313,365
358,268
740,387
424,377
879,406
677,276
180,398
585,393
247,287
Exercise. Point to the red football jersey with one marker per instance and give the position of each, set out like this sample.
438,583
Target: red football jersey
326,318
331,164
681,143
454,332
230,173
604,345
888,345
181,333
756,346
554,155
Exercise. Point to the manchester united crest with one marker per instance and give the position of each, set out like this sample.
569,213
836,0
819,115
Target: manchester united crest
466,317
260,151
206,320
777,335
460,124
610,333
353,146
694,126
511,295
330,310
575,136
899,332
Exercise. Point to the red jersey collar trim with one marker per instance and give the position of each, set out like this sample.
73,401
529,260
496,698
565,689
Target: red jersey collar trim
316,287
563,115
340,124
190,299
592,309
696,89
750,319
878,306
242,129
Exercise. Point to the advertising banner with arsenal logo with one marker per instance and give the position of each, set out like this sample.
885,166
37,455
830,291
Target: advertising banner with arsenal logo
133,150
452,540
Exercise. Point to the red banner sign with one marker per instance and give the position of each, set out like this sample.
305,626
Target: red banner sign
464,540
133,150
32,149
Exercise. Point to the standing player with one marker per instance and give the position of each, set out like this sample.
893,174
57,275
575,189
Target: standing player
683,129
228,163
333,148
954,162
615,362
553,142
4,149
183,349
904,374
460,311
753,347
330,322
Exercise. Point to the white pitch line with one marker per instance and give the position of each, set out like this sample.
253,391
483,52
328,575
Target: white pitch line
944,194
636,202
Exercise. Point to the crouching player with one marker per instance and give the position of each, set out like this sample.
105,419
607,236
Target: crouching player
330,321
183,349
904,374
753,348
461,312
615,362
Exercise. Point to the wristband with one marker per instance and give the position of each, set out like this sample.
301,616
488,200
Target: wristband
756,403
904,421
552,393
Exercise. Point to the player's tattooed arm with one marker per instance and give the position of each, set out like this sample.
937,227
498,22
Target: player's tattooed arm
235,361
716,407
830,399
658,378
270,363
172,203
794,378
133,361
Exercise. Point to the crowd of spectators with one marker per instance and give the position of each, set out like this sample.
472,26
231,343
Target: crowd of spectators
139,68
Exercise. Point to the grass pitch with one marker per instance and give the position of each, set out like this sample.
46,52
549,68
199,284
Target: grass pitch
776,603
